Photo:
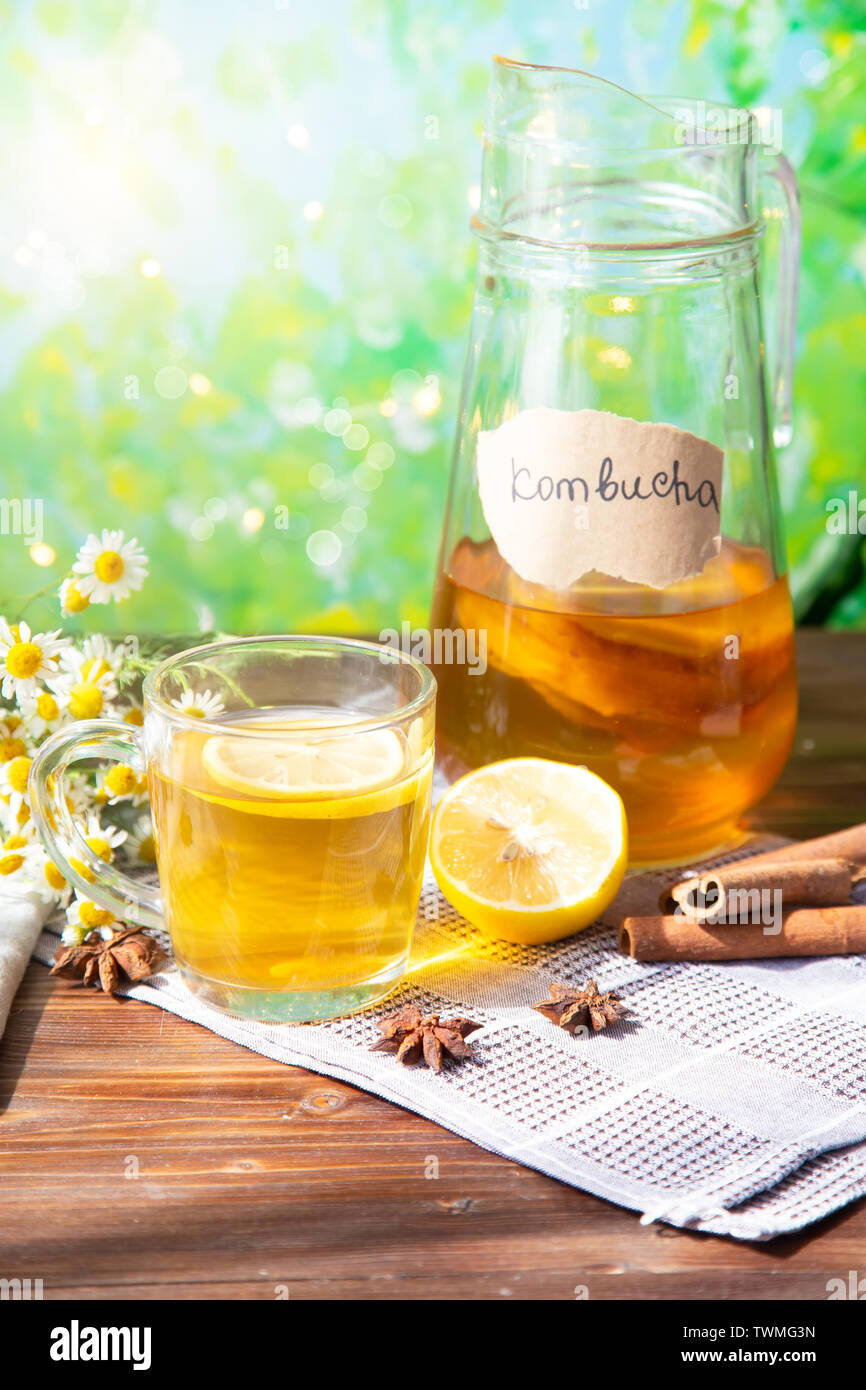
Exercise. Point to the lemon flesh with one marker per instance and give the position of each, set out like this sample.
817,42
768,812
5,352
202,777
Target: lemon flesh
330,777
529,849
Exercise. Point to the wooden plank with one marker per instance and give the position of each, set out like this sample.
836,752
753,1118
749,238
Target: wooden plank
252,1180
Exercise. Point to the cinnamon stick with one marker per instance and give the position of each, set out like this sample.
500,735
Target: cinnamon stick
727,893
821,931
639,894
842,844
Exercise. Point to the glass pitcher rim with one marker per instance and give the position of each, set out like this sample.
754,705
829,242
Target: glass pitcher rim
625,250
732,131
388,655
648,99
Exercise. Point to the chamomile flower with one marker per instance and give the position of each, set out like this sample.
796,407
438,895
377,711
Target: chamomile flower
44,715
109,568
20,859
98,659
122,783
26,658
83,916
12,861
13,738
88,679
54,680
201,704
72,600
102,840
47,886
140,844
84,699
19,839
13,821
41,875
14,777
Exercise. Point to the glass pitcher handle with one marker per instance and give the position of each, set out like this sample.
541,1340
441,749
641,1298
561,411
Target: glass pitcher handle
781,205
128,899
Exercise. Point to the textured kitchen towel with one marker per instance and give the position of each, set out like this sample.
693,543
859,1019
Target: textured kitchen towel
21,919
731,1099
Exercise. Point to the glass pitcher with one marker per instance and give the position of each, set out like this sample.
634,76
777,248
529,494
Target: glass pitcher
612,546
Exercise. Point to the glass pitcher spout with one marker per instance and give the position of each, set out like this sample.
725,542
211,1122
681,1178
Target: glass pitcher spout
575,162
631,170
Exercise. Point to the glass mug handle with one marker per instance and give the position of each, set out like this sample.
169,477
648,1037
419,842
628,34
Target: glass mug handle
92,738
781,206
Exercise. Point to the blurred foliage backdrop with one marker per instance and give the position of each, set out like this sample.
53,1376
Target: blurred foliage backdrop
235,278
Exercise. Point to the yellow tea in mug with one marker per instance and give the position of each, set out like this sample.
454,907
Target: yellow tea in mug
290,781
291,851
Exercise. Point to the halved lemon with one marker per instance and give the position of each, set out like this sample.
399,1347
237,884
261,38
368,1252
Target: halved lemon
298,767
529,849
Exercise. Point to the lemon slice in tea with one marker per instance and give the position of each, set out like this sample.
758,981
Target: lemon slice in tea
529,849
301,767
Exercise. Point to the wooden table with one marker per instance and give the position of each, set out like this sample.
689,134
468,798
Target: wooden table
257,1180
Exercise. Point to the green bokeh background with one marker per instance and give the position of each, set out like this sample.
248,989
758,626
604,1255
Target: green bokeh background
303,176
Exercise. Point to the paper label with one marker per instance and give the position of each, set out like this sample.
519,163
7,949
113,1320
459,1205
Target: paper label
565,492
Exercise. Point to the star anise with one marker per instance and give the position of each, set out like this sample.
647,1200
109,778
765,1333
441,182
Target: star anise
99,961
573,1008
414,1036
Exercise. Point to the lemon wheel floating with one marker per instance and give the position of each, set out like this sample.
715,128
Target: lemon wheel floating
297,767
529,849
319,777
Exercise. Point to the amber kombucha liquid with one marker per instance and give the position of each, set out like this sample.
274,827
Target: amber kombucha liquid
683,699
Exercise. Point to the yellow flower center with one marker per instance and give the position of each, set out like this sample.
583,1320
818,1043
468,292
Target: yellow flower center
46,706
23,660
11,863
92,916
94,669
147,850
54,877
134,716
13,721
100,847
18,770
12,748
82,870
121,780
195,711
85,701
14,842
109,566
73,601
23,815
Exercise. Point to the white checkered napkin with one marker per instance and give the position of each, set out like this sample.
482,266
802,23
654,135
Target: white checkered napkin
731,1098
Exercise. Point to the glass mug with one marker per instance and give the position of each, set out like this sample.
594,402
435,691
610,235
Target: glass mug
290,820
620,304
